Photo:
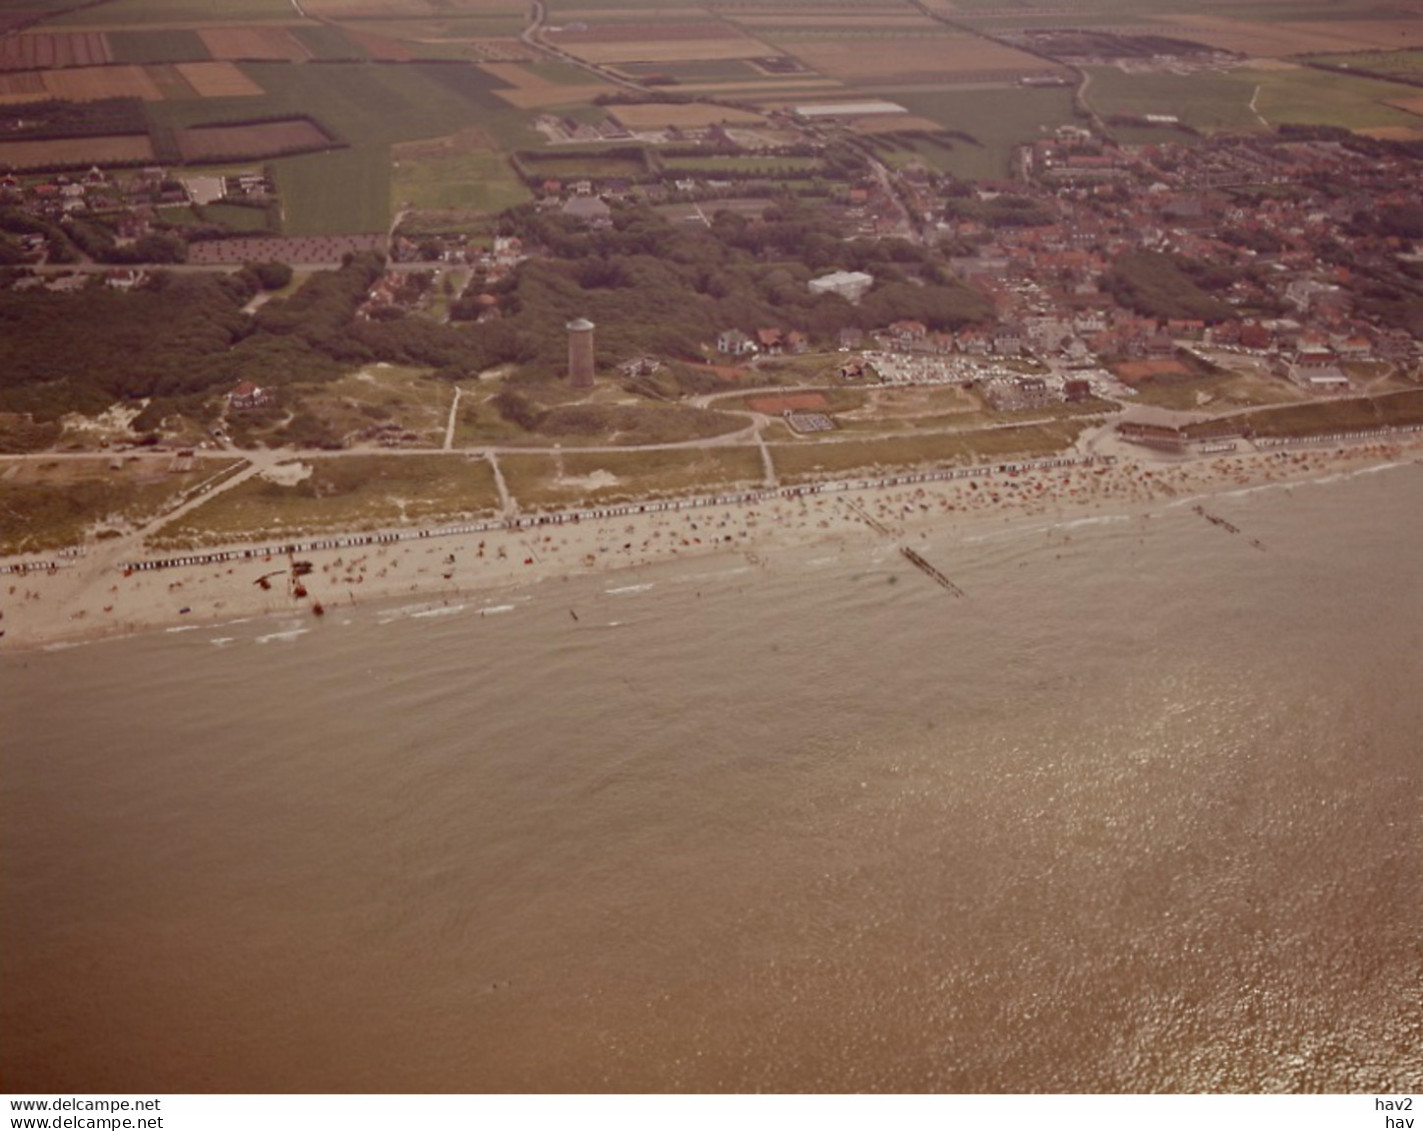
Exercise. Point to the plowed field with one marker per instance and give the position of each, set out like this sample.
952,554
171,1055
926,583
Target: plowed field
76,151
218,80
42,50
264,139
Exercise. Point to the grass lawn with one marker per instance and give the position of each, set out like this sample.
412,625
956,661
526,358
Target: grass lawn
346,493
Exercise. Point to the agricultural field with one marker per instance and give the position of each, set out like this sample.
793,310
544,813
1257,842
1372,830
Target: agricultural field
218,80
1404,64
1207,102
481,183
1312,96
89,84
203,144
696,70
668,50
535,86
904,58
43,50
174,13
321,41
1277,39
24,86
998,120
70,152
256,43
170,45
659,115
372,108
566,164
712,165
122,14
238,218
1253,98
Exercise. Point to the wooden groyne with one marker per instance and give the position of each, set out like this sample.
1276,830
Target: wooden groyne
917,560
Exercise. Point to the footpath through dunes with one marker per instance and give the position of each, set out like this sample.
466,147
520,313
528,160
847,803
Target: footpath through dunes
57,600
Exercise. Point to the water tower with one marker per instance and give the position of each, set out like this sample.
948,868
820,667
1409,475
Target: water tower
580,353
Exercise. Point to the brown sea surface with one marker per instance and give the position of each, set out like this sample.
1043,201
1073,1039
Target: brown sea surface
1138,811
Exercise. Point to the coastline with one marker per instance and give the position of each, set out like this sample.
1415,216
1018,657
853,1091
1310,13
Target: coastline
96,597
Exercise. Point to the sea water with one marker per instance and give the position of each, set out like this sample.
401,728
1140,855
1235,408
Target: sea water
1137,811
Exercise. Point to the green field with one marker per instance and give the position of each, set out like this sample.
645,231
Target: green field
165,46
1208,102
560,74
238,217
591,164
1310,96
1406,64
326,42
696,70
117,13
998,119
371,106
1303,96
711,165
477,182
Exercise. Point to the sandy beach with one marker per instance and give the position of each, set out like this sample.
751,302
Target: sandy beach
92,595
